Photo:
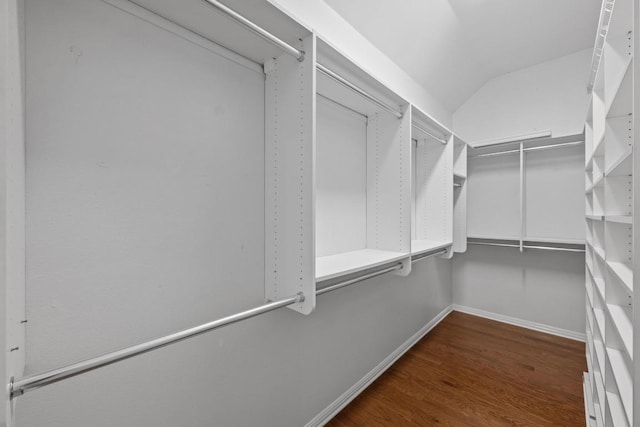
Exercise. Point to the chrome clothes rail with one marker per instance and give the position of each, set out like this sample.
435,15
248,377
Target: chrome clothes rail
425,255
440,140
18,387
327,72
528,244
538,148
296,53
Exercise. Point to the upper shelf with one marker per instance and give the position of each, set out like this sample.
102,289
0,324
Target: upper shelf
206,21
330,58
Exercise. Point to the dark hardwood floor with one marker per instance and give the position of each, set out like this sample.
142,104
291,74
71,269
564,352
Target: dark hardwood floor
470,371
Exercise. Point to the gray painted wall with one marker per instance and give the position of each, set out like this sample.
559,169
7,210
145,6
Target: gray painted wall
535,286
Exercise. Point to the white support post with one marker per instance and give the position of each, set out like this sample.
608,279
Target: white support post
290,104
522,199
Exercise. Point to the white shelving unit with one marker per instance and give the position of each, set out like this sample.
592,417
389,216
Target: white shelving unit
609,144
527,193
348,189
459,195
362,173
432,181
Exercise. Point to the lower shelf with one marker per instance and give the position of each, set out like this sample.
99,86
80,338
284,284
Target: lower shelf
332,266
623,272
623,380
616,410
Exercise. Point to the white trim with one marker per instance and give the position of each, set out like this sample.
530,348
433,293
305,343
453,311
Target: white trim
565,333
337,405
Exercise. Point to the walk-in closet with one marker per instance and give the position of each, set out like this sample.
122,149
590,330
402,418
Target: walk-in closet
288,213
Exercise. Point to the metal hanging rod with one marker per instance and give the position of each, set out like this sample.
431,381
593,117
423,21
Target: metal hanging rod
439,139
542,147
22,385
426,255
545,248
513,139
296,53
326,98
345,283
327,72
497,153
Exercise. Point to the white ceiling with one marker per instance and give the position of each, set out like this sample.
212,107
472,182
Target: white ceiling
453,47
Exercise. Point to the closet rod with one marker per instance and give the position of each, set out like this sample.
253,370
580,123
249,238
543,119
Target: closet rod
545,248
327,72
364,116
426,255
296,53
513,139
345,283
542,147
440,140
18,387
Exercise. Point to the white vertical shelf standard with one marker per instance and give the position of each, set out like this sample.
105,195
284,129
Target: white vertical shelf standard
289,156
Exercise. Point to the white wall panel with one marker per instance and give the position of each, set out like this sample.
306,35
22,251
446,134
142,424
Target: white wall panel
554,193
341,179
493,203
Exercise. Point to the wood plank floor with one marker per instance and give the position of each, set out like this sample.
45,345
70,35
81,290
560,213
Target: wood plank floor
470,371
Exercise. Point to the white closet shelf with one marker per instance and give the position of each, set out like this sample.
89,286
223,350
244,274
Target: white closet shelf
597,182
332,266
422,246
623,272
595,217
621,219
206,21
598,315
600,391
598,150
598,411
621,320
586,393
459,176
599,284
599,252
623,380
481,237
622,166
589,291
616,409
622,98
590,319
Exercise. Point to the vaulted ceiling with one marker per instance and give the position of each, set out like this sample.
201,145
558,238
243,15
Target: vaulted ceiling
453,47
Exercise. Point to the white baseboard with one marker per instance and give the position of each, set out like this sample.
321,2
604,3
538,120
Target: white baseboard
336,406
565,333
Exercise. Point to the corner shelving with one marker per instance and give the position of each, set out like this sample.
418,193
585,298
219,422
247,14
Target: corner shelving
459,195
609,184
